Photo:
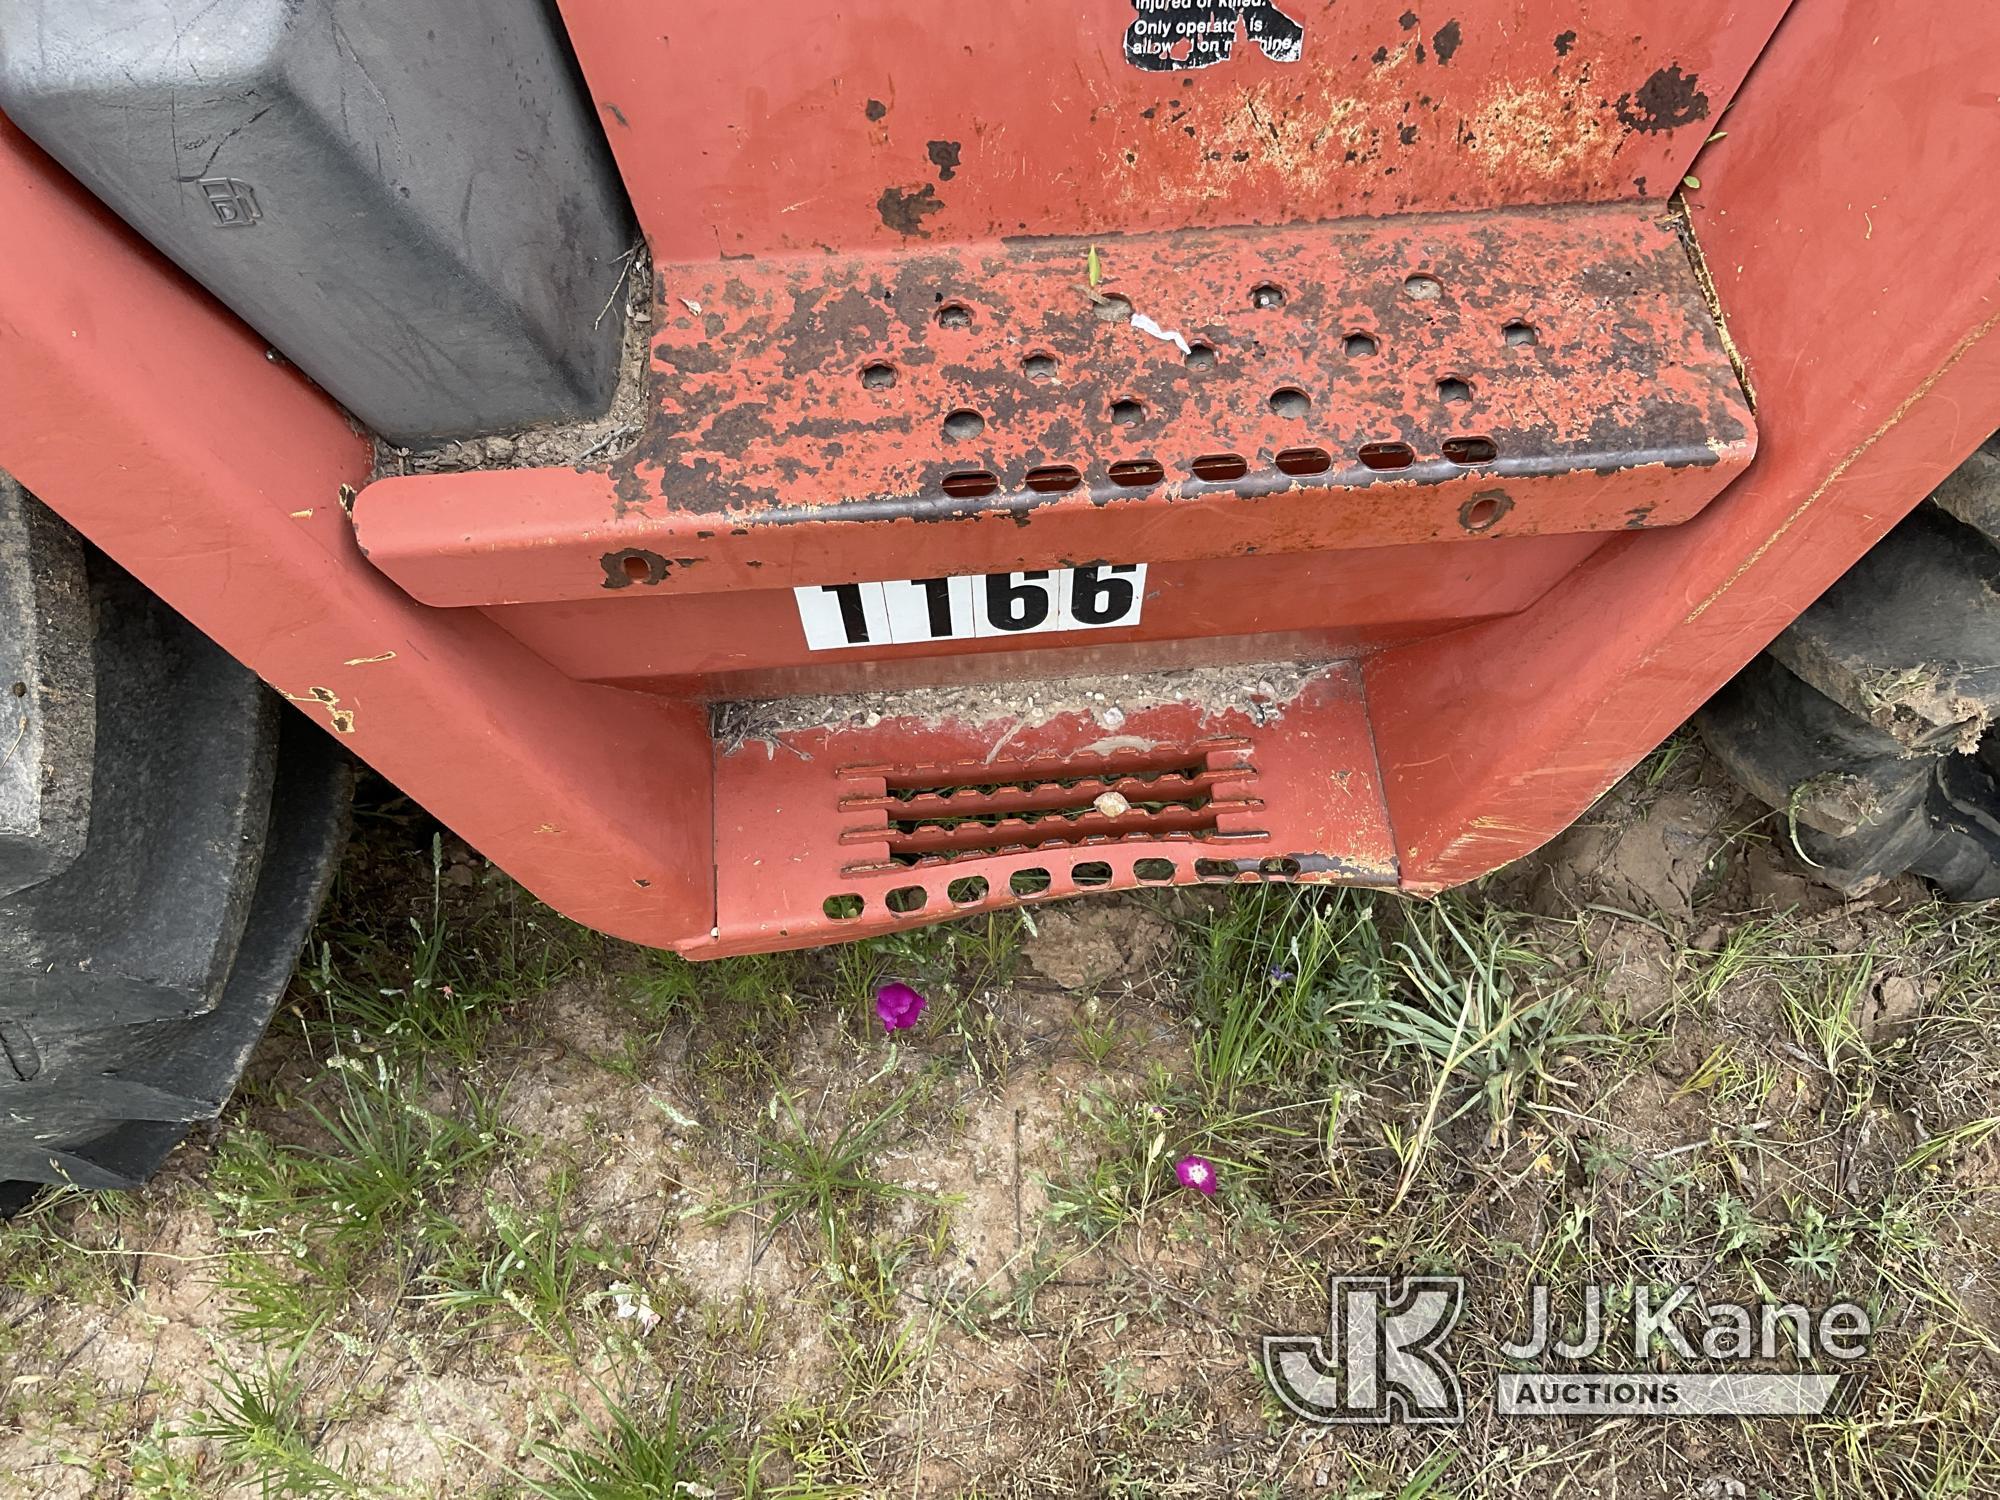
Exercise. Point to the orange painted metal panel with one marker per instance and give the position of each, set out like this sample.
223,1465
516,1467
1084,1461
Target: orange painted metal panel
801,125
1303,606
1847,217
1848,222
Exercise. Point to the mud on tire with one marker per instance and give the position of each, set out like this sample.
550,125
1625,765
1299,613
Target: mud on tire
1869,722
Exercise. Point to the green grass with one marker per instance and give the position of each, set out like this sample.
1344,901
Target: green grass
262,1425
629,1458
310,1221
534,1266
405,1219
1276,971
434,985
819,1174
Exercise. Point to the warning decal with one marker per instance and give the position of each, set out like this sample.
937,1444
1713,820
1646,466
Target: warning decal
1173,35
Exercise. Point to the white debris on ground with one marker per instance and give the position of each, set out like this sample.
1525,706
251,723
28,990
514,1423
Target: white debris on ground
629,1303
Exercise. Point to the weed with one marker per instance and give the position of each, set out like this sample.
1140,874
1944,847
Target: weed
158,1473
821,1177
1273,973
1817,1243
628,1459
1966,1136
1469,1024
382,1181
533,1268
435,987
262,1428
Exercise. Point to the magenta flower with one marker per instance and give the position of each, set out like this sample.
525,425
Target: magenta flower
1196,1172
898,1005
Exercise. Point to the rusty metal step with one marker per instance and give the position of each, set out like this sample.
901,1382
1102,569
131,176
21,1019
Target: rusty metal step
1215,393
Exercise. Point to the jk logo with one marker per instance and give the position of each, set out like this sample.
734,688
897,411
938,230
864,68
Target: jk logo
1380,1360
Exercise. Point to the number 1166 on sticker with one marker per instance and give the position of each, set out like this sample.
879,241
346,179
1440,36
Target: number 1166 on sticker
909,611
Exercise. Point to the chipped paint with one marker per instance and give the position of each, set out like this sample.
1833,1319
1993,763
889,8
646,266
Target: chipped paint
342,719
1623,361
1533,134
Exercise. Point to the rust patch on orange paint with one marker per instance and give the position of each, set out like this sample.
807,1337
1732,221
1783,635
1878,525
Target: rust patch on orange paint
1531,135
1350,136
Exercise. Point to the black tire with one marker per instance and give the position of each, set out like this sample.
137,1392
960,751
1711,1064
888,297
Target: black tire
1869,722
164,848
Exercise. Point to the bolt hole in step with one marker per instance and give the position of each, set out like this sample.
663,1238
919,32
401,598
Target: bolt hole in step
1220,466
1482,511
964,423
1387,456
1091,873
1215,869
1360,345
1199,357
878,377
1157,870
1280,866
1039,367
1136,473
1290,401
1422,288
967,889
1267,294
1470,450
1128,413
1518,333
1453,391
1054,479
970,484
1113,309
954,315
844,907
1304,461
637,569
1033,882
906,898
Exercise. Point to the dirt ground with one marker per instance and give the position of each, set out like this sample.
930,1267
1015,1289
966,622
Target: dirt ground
507,1209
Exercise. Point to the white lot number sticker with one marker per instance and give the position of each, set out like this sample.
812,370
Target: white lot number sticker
908,611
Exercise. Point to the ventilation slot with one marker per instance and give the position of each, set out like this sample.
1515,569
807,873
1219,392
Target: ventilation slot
935,817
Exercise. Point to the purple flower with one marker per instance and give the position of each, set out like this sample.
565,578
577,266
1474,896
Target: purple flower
1280,974
898,1005
1196,1172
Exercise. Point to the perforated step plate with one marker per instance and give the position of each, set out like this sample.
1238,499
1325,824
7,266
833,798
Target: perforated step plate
831,832
1167,397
